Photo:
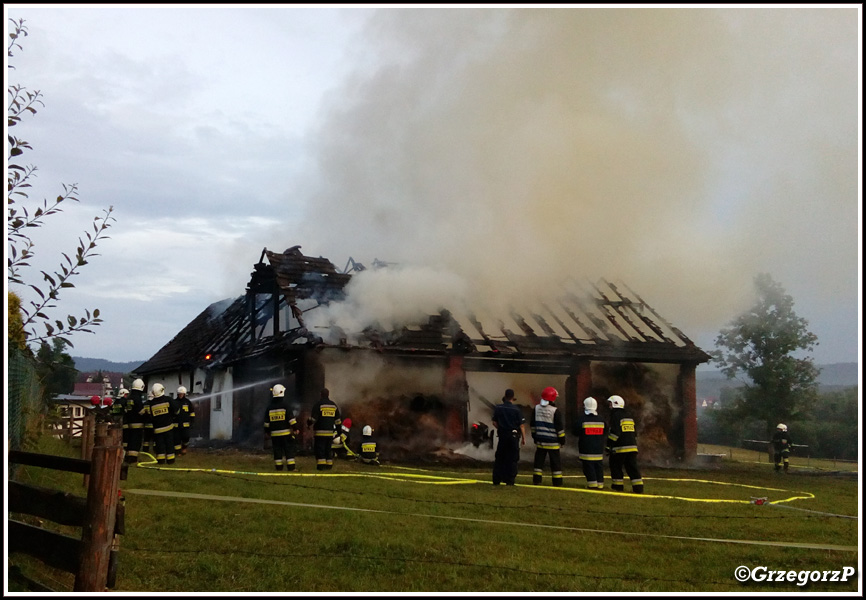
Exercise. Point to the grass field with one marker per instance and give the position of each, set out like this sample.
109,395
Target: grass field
224,521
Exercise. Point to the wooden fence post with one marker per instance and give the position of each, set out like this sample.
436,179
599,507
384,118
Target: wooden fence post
97,533
87,426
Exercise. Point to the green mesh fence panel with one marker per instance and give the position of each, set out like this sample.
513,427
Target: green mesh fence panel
24,396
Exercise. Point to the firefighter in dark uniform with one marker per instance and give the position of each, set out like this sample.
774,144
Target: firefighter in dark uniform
781,446
589,429
369,447
160,413
118,406
622,445
325,419
133,421
548,433
178,424
510,425
186,417
281,425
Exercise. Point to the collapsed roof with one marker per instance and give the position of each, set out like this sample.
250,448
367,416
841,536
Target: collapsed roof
593,321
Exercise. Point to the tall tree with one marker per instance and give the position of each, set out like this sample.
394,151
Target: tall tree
758,348
56,368
24,214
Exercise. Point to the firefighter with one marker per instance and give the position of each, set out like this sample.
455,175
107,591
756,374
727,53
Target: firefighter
119,406
479,434
781,447
369,447
147,438
622,446
185,419
509,423
101,408
589,430
548,433
160,413
281,425
133,421
325,419
340,443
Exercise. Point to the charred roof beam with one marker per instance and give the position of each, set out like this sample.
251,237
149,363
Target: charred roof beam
641,304
611,310
485,338
600,324
670,326
586,328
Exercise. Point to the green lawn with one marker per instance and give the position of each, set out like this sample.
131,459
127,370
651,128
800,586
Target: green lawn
445,528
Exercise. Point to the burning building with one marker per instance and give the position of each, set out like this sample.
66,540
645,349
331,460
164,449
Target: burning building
421,385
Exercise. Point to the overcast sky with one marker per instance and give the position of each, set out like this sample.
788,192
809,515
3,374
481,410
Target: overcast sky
488,151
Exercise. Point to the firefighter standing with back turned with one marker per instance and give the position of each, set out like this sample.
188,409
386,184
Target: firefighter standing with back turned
509,423
186,416
548,433
622,445
133,422
781,446
160,412
281,425
589,429
119,406
325,419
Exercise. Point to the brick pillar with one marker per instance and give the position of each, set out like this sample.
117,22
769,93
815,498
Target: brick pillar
456,390
688,395
578,387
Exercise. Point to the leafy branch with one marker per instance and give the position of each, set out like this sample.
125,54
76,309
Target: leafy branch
20,31
21,219
60,280
16,224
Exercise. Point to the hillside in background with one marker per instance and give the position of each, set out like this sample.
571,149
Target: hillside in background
834,376
92,365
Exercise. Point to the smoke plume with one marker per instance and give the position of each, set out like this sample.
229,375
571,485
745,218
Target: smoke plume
493,152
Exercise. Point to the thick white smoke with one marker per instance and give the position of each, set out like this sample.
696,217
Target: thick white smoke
680,150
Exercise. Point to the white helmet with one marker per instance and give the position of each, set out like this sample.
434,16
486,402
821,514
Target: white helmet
278,391
616,402
367,430
782,427
158,390
122,392
590,406
138,384
181,390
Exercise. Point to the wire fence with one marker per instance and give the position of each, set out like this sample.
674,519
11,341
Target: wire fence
24,396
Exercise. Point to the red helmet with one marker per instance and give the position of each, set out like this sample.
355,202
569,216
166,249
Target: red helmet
347,423
95,400
550,394
107,401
